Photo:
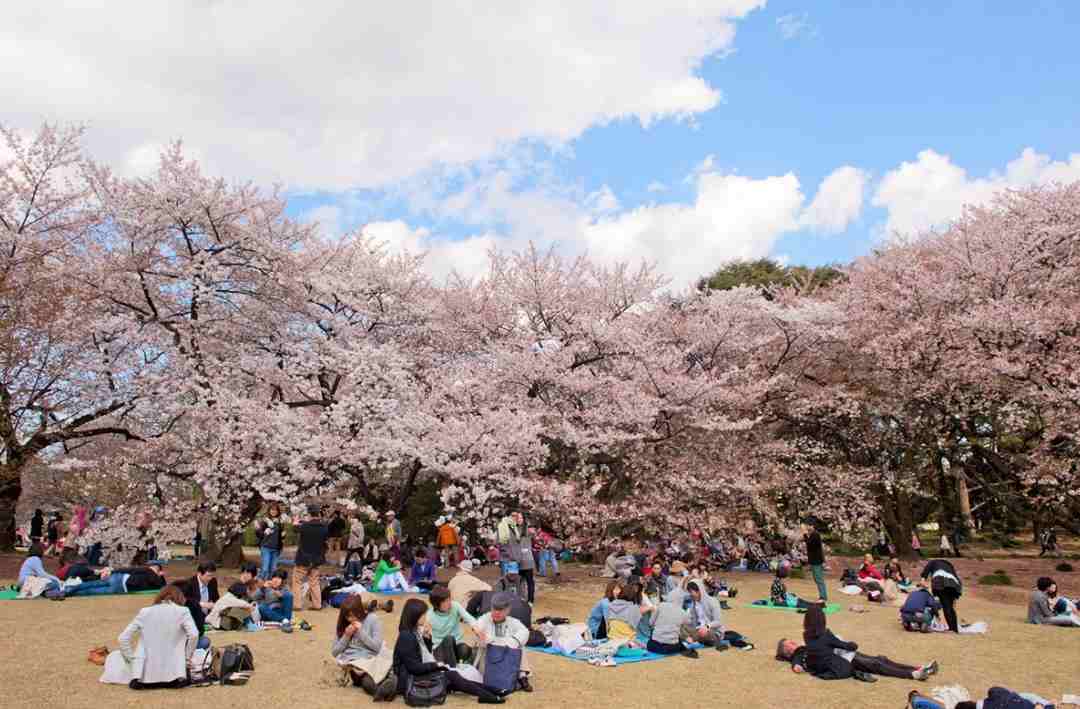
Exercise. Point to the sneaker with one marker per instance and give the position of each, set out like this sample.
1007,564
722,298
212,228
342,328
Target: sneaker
523,681
721,647
747,647
724,605
933,668
304,625
388,605
921,674
286,627
690,653
864,676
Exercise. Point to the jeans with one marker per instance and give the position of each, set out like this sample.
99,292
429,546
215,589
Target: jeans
818,572
113,584
268,558
546,556
276,615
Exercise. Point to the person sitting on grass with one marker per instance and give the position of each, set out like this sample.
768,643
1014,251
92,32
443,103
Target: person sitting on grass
824,662
625,613
670,625
464,584
273,599
869,575
919,610
791,651
706,618
412,658
167,638
498,627
1040,611
778,593
32,567
893,571
422,574
512,582
445,619
597,620
388,576
358,646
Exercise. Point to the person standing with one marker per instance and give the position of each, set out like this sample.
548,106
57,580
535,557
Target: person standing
53,532
527,563
338,529
916,543
815,556
310,554
355,544
946,586
37,526
270,533
509,539
448,542
393,533
946,546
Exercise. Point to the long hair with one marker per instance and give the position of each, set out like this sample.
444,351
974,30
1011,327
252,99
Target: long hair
354,606
172,594
632,593
611,593
814,623
36,549
414,610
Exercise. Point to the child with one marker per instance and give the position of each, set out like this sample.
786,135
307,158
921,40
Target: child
778,594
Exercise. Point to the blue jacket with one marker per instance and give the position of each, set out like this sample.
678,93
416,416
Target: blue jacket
919,600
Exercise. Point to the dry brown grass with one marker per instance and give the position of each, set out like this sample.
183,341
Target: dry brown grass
43,659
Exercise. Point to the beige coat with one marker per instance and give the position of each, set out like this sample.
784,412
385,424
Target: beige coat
464,585
167,638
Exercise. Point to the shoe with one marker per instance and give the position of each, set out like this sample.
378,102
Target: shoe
933,667
724,606
388,605
721,647
747,647
286,627
524,686
864,676
491,700
921,674
690,653
304,625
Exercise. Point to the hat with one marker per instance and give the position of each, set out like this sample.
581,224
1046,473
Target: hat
511,567
440,521
466,565
501,601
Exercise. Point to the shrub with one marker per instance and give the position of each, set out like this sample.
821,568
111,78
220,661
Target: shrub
998,578
1064,566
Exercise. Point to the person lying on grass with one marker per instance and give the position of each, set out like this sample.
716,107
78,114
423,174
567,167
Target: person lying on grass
826,656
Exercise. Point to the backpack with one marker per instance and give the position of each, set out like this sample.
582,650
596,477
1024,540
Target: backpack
501,667
234,663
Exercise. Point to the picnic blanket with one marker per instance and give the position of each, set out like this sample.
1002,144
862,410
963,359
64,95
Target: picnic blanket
646,657
829,609
9,595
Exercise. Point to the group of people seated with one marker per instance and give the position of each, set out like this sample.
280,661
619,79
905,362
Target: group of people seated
432,646
1046,607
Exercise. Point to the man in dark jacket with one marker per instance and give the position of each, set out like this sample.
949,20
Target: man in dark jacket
946,586
815,556
310,554
859,664
201,592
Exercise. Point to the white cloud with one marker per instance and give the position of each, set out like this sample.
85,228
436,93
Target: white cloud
656,186
443,256
838,201
343,95
932,190
792,25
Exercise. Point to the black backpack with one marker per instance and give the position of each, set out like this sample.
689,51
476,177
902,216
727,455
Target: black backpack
235,659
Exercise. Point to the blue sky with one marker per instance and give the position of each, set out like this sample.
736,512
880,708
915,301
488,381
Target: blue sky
684,135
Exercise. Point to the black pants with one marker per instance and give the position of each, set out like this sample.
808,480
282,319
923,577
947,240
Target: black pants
457,683
665,648
530,583
451,653
881,665
948,597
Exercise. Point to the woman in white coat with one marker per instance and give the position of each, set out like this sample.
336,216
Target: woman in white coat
167,639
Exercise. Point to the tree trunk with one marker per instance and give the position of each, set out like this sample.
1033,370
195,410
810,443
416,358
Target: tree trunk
964,499
9,498
898,519
232,554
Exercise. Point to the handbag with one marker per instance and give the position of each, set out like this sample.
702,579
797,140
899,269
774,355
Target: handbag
235,660
502,665
426,690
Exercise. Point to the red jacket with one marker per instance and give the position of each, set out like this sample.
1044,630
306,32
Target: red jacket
869,571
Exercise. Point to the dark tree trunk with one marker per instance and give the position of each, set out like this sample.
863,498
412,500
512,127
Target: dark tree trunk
897,516
9,498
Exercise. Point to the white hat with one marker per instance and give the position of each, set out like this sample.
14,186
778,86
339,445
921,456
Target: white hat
440,521
466,565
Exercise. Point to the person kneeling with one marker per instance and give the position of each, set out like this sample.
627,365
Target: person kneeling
445,619
919,610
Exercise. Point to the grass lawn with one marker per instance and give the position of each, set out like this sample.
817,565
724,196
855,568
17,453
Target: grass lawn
43,655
